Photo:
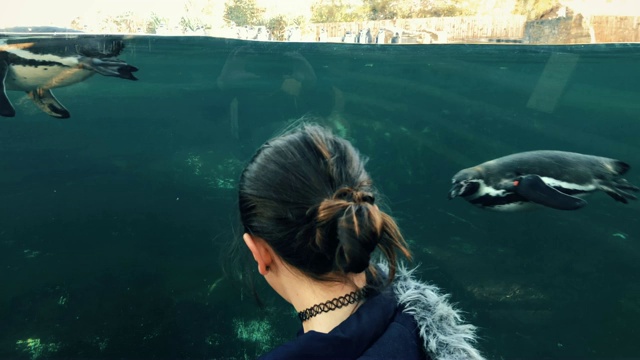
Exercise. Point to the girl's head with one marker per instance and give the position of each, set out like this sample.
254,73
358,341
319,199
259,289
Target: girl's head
307,194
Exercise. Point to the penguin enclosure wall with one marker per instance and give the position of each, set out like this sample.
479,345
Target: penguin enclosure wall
116,222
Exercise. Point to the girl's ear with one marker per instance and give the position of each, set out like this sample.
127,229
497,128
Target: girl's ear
260,250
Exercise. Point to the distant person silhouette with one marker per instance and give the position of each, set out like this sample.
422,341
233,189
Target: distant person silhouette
266,89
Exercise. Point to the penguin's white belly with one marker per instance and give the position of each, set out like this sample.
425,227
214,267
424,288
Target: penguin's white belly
26,78
485,190
559,184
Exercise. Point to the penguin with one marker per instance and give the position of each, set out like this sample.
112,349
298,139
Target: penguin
553,179
38,63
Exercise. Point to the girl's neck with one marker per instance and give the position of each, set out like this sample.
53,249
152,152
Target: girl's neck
312,292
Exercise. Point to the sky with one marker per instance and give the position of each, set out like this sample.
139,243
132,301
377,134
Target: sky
606,7
61,12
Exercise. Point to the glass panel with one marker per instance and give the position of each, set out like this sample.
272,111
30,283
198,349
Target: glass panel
116,222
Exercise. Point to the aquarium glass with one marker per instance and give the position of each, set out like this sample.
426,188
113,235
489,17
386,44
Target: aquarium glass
116,222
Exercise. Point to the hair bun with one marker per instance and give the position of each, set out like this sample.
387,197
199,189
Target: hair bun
354,196
359,230
348,229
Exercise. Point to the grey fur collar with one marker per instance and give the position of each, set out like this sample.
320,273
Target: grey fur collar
441,327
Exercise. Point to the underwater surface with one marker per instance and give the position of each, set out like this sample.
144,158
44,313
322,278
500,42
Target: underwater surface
115,223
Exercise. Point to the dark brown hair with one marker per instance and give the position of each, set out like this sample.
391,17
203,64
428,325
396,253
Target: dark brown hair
308,195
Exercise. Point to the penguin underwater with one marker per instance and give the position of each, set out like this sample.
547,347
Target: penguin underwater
553,179
36,60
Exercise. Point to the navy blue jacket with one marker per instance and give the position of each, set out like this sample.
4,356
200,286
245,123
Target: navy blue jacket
379,329
409,320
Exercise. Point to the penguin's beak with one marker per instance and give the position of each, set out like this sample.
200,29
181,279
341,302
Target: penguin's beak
455,190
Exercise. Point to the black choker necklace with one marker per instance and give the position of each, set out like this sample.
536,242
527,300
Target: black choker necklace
337,303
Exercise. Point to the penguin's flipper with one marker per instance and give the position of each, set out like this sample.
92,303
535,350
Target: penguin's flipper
44,99
108,67
534,189
6,109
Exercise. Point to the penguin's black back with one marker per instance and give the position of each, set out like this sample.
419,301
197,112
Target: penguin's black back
562,165
62,42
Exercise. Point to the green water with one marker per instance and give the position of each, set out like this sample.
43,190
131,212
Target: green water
114,223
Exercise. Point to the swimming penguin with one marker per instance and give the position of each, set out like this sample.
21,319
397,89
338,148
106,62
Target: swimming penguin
553,179
38,63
